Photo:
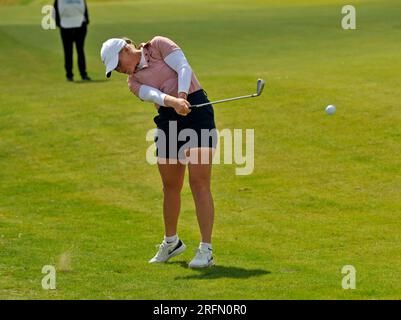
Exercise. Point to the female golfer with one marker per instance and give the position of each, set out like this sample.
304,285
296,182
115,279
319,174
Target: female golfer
158,72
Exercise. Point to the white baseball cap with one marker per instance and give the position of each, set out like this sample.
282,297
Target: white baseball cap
109,53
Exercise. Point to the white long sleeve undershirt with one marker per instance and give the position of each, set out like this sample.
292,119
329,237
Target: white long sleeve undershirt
150,94
176,61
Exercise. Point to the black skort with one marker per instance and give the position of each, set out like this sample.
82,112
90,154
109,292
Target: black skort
177,133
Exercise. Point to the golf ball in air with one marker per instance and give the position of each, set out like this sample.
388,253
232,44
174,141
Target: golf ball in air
331,110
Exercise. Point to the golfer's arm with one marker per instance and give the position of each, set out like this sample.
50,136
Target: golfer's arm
177,61
150,94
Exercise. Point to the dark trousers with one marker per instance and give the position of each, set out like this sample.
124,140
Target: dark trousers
69,36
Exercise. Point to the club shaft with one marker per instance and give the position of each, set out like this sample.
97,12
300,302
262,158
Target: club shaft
225,100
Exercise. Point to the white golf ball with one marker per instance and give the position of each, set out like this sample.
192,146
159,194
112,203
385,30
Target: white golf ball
331,109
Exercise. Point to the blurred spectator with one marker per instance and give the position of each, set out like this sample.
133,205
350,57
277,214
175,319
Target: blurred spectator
72,18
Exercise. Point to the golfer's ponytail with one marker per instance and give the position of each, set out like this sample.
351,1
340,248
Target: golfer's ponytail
129,41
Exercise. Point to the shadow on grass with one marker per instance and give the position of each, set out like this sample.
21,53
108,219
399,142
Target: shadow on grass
216,272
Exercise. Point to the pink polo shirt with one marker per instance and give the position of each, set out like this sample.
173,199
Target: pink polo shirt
156,73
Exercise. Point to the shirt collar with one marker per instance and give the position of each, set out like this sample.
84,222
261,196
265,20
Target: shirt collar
142,63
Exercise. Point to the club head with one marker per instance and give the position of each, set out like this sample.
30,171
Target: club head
259,86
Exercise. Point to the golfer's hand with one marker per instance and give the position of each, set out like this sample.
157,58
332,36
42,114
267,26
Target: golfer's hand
182,106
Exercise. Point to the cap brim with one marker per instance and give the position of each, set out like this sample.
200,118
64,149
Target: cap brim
111,65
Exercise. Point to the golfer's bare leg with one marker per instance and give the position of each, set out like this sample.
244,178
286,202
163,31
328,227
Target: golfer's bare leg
199,180
173,178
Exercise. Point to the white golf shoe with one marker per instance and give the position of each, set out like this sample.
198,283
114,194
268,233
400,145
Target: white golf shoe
167,251
202,259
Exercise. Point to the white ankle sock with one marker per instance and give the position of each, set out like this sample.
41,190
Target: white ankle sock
205,246
171,239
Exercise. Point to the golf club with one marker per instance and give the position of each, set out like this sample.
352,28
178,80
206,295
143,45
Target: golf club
259,88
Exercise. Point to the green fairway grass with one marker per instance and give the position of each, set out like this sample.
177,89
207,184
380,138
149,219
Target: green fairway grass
77,193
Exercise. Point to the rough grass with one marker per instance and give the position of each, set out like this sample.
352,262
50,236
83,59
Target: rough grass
77,193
